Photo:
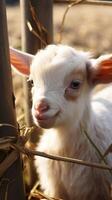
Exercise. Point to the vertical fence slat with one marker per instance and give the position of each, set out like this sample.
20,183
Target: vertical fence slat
30,44
11,183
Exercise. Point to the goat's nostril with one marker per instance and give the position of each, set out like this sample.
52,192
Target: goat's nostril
42,107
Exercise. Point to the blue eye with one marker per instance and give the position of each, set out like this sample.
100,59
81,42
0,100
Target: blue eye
75,84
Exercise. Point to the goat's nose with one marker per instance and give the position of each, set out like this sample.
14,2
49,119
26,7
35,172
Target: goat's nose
42,106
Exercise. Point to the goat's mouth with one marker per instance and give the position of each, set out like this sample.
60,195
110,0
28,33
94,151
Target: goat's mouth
46,121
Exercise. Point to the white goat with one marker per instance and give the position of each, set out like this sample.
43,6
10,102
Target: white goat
63,79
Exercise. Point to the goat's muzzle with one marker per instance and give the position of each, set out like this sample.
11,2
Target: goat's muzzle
42,118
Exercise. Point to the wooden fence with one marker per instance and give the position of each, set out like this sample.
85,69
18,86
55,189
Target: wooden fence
11,180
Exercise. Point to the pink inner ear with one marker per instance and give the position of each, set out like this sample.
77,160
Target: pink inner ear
19,64
104,72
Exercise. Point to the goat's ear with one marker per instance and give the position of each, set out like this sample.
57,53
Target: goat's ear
101,70
21,61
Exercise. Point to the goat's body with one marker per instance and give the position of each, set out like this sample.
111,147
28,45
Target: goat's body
82,182
61,103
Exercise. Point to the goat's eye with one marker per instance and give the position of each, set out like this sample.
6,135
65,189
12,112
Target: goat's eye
32,83
75,84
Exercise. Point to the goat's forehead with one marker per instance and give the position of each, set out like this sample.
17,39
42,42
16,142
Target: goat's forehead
58,63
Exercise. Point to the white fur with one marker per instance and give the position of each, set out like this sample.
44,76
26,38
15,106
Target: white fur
60,179
63,136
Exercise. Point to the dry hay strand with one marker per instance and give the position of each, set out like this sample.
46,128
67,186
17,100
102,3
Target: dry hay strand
38,195
39,31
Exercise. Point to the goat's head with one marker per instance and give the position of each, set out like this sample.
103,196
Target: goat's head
62,79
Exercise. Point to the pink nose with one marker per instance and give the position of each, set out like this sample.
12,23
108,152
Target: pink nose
42,106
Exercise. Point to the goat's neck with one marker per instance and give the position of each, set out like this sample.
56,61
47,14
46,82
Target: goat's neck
72,136
74,129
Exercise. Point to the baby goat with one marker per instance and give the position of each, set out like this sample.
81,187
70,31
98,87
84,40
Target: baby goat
63,79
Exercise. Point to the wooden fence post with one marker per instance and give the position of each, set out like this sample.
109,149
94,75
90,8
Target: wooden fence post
30,43
11,182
